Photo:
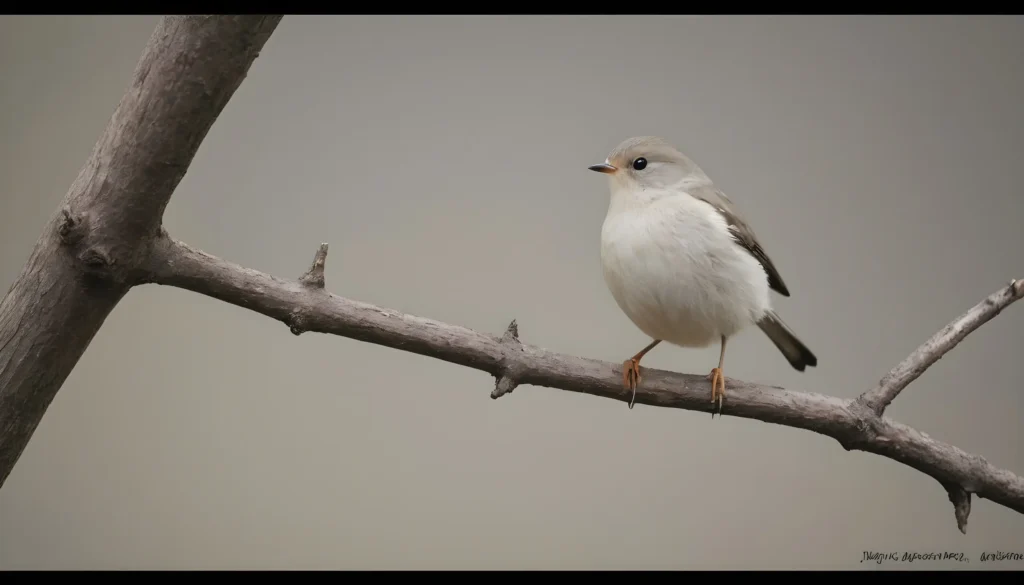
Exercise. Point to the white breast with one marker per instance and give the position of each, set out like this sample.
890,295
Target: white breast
675,271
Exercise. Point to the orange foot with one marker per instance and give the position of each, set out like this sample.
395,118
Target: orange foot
717,378
631,376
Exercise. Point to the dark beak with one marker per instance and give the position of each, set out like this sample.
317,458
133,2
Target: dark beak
603,168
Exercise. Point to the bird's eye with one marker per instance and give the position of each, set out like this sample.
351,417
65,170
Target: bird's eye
640,163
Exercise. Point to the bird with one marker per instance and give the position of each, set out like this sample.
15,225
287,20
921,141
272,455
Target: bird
681,261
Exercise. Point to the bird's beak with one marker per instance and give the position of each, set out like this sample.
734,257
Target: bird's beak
603,168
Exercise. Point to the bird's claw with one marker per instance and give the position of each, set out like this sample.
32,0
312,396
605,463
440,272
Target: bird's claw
717,380
631,377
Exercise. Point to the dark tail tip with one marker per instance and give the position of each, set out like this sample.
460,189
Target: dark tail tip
806,359
796,353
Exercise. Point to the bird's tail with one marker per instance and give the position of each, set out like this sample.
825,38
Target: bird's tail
795,351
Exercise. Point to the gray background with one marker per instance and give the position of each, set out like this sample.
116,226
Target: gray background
444,159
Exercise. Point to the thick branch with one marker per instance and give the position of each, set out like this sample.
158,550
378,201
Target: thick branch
879,397
848,421
89,252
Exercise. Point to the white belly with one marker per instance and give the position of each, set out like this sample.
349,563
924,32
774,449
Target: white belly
677,274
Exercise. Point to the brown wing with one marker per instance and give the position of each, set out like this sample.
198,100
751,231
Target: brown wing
743,235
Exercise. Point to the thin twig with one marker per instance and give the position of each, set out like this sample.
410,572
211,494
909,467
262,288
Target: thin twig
879,397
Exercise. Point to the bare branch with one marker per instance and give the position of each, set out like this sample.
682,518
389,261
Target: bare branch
511,362
879,397
87,256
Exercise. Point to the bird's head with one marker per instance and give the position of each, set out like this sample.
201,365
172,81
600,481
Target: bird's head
647,166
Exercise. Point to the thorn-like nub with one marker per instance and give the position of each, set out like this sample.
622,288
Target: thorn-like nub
505,385
296,322
508,378
961,500
314,277
512,333
67,226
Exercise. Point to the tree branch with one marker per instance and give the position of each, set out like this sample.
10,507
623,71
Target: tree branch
879,397
87,256
855,426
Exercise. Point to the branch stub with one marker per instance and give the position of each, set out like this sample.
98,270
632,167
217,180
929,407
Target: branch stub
508,378
961,500
314,277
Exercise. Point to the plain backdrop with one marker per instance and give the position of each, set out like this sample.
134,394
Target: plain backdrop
444,160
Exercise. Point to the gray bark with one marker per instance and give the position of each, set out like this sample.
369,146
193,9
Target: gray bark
89,252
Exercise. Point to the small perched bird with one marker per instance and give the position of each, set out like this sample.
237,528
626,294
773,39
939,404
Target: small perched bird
682,263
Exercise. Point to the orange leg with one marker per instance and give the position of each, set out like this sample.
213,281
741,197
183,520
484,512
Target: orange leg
631,370
717,377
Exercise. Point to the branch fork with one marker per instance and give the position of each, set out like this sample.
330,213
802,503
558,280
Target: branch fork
88,254
910,369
